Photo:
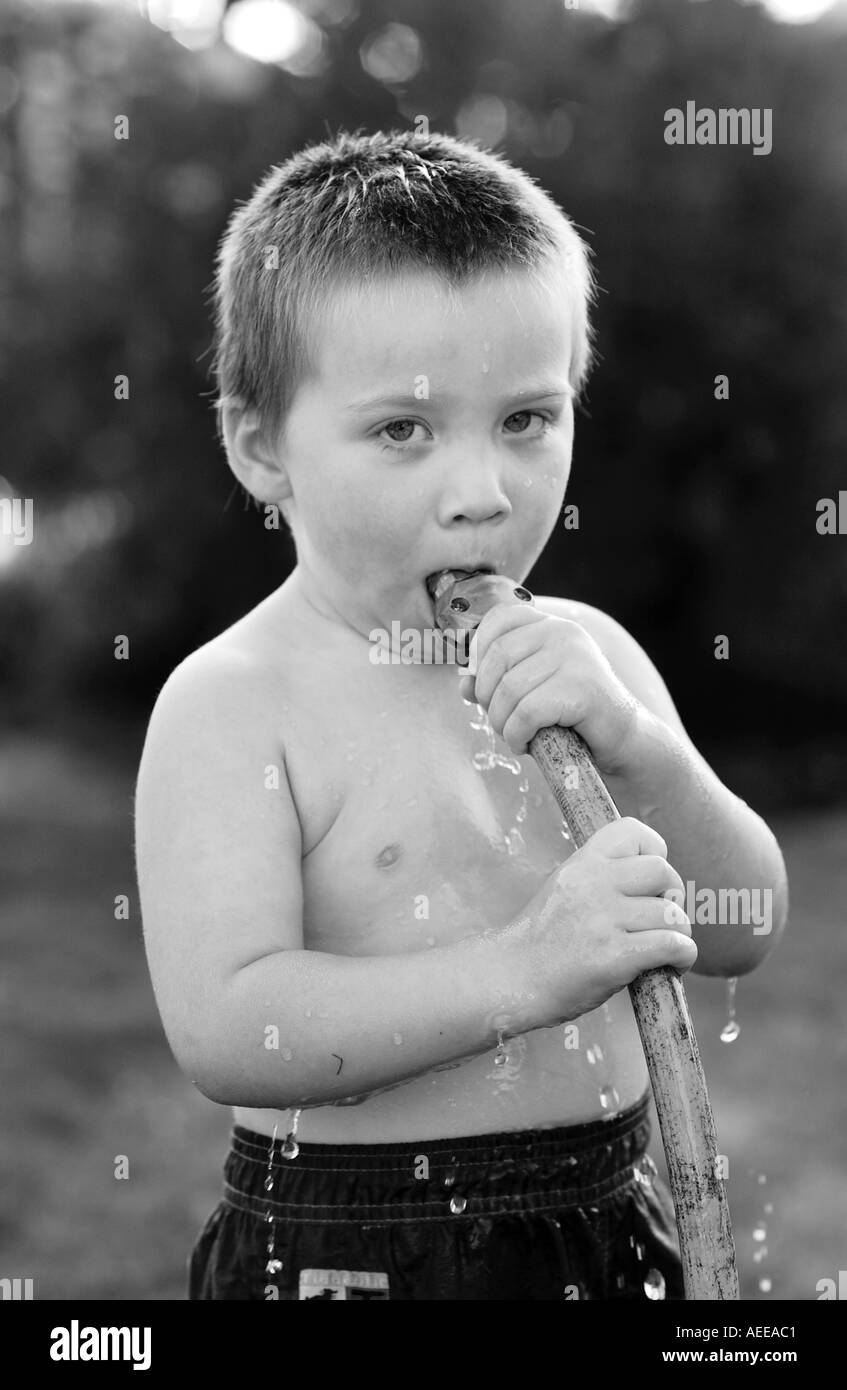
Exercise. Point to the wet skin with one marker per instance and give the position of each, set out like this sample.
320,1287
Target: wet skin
380,758
397,820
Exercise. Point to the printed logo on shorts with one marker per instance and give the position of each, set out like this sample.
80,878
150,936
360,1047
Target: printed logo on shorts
342,1283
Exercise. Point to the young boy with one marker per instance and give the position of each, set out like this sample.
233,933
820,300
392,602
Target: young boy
366,928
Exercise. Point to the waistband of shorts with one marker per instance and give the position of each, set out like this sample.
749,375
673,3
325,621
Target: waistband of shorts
523,1170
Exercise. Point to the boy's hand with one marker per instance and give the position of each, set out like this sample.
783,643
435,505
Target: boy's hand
600,920
530,670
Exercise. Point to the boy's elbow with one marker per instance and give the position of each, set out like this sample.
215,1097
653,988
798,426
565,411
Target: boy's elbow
751,942
228,1078
209,1065
211,1081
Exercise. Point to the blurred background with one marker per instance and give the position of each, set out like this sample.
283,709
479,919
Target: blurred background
698,517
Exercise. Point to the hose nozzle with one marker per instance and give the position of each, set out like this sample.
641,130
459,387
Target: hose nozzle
462,598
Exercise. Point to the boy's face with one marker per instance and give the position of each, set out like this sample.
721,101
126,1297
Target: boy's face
461,463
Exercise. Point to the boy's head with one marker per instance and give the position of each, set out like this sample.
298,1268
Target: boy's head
386,261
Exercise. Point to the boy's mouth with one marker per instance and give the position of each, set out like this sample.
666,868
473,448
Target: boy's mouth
437,583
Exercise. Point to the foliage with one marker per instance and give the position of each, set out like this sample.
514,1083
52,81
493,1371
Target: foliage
697,515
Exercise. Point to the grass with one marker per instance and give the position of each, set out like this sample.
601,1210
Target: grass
86,1075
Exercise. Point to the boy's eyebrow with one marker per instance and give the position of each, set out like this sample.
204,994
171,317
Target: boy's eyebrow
544,391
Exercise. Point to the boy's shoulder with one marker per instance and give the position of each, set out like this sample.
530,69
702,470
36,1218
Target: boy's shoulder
226,683
608,633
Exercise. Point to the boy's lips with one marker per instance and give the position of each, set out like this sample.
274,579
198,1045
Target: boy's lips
438,582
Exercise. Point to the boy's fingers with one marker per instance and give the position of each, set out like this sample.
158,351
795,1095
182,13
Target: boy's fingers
466,687
649,875
497,623
675,917
503,617
649,950
627,836
650,914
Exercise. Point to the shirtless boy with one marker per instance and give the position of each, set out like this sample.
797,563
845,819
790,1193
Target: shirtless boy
366,928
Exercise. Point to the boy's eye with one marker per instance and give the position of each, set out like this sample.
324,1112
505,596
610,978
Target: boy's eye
523,416
400,431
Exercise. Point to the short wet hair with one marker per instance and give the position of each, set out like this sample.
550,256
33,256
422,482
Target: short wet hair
357,208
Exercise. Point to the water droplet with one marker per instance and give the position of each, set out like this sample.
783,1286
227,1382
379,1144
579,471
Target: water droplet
449,1178
768,1208
654,1284
639,1253
458,1204
610,1100
507,761
762,1178
765,1285
486,367
730,1030
398,1038
269,1182
645,1171
287,1054
273,1266
760,1233
501,1056
760,1254
290,1147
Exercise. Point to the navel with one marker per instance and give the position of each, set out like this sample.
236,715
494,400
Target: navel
388,856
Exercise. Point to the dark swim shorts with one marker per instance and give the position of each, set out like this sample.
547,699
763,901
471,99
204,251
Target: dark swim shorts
576,1212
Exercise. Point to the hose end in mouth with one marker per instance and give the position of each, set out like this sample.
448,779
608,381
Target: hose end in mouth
438,584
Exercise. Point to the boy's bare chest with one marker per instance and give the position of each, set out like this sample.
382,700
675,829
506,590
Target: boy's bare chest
419,824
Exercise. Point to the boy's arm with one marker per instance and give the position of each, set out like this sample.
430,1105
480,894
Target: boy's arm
219,866
715,841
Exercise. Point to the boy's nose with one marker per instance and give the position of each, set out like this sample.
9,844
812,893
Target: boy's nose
475,494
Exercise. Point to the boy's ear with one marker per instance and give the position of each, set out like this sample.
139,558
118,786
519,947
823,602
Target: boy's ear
255,461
